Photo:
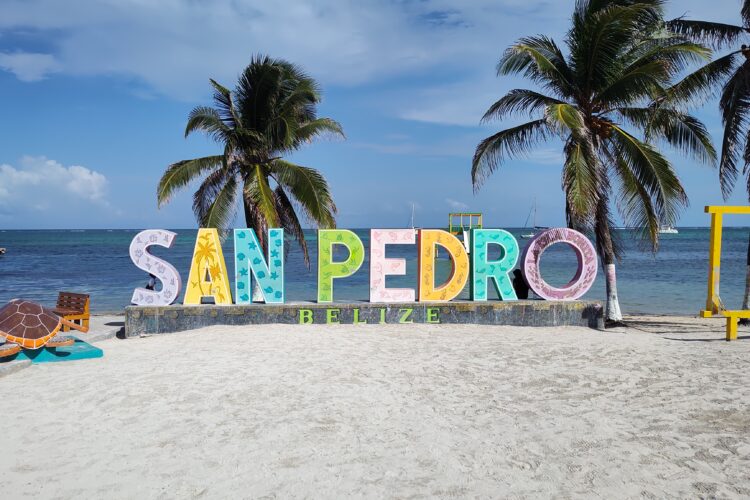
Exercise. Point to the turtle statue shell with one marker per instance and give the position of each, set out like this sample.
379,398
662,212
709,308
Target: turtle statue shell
28,324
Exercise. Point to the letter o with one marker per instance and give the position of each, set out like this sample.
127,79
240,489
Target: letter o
585,254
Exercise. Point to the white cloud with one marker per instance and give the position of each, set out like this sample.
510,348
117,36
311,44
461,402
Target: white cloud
456,205
41,184
171,47
174,46
27,66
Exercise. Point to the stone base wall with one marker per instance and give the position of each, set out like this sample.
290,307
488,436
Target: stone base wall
150,320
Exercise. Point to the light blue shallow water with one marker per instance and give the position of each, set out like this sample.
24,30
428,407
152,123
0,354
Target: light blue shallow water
38,264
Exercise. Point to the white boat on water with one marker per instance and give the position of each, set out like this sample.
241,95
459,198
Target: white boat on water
2,251
668,230
532,216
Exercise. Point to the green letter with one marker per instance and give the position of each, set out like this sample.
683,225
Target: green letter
305,317
356,318
332,316
405,315
482,269
328,270
432,315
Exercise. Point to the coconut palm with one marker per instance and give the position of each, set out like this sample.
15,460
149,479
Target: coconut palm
605,100
731,74
271,113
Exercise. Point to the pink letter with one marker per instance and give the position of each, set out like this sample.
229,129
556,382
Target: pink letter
587,262
380,266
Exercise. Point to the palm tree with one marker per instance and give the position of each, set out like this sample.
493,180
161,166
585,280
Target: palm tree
271,113
731,74
606,101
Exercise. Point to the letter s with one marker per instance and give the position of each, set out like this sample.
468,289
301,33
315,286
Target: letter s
166,272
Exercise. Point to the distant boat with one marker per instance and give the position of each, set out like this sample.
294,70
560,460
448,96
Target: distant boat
532,216
668,230
2,251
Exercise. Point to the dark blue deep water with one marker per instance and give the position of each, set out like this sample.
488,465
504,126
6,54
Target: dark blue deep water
38,264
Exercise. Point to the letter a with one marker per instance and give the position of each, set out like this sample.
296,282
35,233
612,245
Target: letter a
208,271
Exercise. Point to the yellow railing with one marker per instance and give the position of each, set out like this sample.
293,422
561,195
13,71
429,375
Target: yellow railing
473,221
714,305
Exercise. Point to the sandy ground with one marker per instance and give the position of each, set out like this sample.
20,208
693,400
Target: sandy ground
659,410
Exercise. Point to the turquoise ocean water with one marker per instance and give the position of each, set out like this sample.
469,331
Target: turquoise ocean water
40,263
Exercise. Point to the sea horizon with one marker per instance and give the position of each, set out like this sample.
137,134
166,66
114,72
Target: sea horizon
41,262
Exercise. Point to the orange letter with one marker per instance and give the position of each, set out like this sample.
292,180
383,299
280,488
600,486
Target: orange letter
428,241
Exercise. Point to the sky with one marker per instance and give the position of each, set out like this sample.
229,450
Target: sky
94,97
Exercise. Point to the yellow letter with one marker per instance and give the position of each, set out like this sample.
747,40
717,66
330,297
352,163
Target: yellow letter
428,240
208,271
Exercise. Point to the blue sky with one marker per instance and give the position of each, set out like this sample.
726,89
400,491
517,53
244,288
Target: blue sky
95,96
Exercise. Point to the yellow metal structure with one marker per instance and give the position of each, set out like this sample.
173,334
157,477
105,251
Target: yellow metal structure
466,222
714,305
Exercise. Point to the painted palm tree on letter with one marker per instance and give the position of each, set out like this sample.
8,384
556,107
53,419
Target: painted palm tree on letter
271,113
606,101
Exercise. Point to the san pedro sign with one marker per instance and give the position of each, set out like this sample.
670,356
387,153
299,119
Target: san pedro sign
208,275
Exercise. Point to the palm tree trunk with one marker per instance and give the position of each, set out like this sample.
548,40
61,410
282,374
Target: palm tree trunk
612,311
252,220
606,248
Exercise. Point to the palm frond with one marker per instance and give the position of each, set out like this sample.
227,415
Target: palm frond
309,189
600,38
206,194
680,130
180,174
517,101
635,204
221,212
703,82
224,105
207,119
579,181
735,111
509,143
654,172
564,118
539,59
317,128
717,35
259,193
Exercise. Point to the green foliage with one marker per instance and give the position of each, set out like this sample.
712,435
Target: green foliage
271,113
731,75
620,68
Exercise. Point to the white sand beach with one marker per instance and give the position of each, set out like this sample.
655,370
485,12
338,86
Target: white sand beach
659,410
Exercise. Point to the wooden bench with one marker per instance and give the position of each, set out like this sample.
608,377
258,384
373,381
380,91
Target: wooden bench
73,307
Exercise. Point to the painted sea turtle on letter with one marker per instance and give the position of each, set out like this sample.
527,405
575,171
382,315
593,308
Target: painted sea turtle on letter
31,325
